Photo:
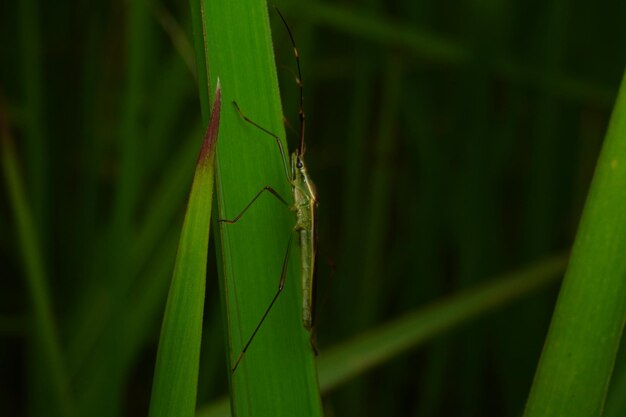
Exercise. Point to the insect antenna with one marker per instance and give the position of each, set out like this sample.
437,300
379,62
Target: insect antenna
301,148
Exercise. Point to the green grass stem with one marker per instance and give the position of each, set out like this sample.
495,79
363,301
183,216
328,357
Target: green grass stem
577,360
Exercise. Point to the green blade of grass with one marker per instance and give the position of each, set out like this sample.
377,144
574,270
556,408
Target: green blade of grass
178,357
277,375
370,349
577,360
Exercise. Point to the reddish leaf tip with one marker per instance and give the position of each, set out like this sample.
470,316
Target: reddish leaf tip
210,137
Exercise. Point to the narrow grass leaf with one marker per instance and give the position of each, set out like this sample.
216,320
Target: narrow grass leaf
178,357
277,376
578,357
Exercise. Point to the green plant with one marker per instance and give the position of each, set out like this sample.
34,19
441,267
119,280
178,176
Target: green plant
578,358
178,360
452,150
277,375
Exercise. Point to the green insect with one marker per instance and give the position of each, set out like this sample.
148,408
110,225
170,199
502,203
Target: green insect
304,205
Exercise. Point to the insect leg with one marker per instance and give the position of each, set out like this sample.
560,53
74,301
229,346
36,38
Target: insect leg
276,138
264,189
281,285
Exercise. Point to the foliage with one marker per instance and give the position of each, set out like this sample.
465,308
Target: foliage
449,146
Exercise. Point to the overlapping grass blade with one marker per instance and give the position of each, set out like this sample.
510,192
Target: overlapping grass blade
178,358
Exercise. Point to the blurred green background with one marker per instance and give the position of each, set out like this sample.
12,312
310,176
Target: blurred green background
450,142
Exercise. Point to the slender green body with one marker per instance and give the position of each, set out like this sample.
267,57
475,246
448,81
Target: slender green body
305,204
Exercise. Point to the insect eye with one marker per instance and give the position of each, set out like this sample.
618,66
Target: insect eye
299,164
